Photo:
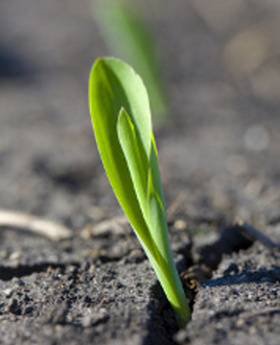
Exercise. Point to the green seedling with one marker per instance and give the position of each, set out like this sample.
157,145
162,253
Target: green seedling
128,37
121,118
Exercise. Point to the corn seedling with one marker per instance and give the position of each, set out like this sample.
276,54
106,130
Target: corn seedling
121,118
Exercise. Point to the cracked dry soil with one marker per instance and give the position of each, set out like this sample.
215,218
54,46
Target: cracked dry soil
219,156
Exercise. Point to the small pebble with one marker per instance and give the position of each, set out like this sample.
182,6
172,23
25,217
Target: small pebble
180,224
8,292
15,256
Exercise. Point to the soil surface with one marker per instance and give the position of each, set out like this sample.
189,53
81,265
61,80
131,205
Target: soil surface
219,156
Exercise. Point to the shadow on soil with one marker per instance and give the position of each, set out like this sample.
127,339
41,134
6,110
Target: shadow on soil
231,240
8,273
261,276
162,325
13,66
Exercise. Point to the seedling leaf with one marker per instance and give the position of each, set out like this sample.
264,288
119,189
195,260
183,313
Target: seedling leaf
120,112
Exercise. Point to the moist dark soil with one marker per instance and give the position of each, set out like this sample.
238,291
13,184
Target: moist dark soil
219,156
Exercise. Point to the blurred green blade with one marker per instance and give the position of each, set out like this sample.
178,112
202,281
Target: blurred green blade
128,37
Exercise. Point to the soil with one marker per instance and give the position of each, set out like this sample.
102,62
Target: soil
219,156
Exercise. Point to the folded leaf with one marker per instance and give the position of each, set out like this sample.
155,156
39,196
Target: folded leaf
136,159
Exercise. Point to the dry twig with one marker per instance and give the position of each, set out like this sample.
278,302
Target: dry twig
28,222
